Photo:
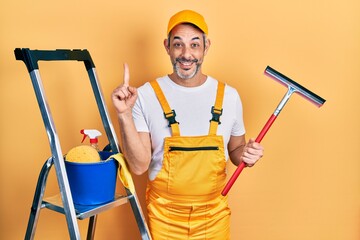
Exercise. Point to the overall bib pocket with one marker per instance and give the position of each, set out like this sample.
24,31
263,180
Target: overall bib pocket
194,164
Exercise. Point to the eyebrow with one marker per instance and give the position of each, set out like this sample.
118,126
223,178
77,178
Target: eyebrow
179,38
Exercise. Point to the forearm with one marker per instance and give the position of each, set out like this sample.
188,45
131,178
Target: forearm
235,148
236,155
135,147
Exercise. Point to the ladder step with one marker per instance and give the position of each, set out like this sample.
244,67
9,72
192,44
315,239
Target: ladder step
83,211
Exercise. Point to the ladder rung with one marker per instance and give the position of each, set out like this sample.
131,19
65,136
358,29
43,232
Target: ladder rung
83,211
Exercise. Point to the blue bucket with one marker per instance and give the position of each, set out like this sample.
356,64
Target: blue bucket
92,183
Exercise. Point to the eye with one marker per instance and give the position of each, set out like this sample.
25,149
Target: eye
177,45
195,45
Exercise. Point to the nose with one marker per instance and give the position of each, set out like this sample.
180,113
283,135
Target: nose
187,52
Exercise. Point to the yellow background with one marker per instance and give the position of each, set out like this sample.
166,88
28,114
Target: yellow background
307,184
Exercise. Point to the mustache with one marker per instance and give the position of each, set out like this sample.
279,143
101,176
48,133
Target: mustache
182,60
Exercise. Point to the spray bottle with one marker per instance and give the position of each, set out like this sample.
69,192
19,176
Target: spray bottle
93,134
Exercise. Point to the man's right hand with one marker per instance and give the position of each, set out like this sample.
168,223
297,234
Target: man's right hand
124,96
135,146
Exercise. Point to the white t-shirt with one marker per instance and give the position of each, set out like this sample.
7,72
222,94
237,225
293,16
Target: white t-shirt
193,112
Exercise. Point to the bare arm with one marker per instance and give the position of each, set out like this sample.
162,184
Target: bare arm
240,151
136,146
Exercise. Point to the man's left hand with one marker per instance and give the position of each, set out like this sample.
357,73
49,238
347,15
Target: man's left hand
252,152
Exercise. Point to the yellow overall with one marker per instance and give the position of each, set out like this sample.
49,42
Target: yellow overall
184,201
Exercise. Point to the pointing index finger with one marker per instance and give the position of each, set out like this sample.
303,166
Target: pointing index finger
126,75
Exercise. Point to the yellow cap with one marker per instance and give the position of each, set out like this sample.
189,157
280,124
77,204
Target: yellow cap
188,16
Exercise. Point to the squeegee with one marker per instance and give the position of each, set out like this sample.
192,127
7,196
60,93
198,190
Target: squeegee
293,87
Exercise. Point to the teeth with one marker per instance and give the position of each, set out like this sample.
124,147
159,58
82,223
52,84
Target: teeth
186,63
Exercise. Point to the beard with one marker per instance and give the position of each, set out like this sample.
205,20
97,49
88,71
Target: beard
186,74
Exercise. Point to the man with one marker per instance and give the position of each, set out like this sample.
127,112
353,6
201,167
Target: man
182,128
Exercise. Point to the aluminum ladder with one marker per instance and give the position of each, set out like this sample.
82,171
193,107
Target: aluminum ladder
63,202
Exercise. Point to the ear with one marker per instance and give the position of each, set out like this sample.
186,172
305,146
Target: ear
166,45
207,45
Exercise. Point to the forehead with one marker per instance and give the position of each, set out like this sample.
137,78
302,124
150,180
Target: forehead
186,32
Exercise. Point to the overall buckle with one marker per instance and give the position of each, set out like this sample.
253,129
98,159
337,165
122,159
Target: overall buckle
171,117
216,113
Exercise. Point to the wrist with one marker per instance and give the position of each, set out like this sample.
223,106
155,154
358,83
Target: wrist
125,116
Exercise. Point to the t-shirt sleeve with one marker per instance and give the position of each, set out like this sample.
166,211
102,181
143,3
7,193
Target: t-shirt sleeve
139,116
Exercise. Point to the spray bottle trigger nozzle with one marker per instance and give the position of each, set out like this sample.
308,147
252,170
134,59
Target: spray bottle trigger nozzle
83,133
83,138
92,133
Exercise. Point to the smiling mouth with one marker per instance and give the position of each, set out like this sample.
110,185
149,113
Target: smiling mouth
186,62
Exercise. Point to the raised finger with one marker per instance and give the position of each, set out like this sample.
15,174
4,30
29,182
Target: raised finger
126,75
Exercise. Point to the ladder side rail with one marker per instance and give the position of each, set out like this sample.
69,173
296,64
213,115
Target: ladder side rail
57,156
139,217
37,201
91,228
104,114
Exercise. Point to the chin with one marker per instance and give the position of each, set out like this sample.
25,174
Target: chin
186,74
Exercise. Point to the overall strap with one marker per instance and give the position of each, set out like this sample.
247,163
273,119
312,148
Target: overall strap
168,113
217,109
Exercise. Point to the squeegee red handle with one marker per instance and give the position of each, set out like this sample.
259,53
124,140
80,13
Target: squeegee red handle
242,164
